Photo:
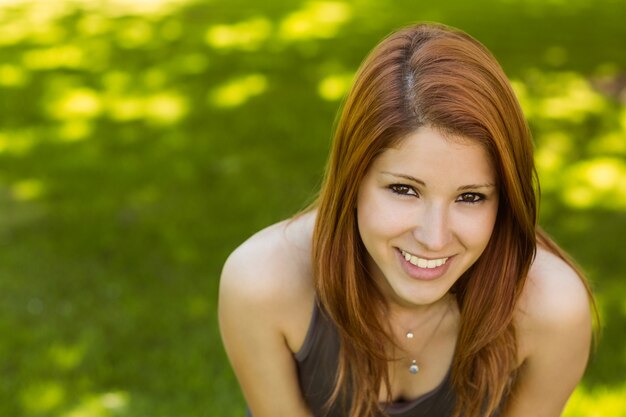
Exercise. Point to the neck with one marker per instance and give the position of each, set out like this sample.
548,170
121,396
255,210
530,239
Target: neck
413,316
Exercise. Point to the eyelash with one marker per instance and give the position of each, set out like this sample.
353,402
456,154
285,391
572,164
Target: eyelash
407,190
395,188
477,198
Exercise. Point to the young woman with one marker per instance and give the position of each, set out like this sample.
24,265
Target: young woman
419,283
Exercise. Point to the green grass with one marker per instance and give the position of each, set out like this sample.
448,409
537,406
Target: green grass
137,150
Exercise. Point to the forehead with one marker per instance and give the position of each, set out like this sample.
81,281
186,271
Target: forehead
430,151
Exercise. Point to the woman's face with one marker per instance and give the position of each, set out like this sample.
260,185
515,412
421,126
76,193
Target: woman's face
426,210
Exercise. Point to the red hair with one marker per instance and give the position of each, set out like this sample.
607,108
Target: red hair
428,75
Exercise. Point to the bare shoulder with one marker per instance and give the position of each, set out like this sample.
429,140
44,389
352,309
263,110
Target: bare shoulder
265,305
554,327
269,275
555,301
553,323
273,262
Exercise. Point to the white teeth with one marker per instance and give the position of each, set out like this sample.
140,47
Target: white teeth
423,263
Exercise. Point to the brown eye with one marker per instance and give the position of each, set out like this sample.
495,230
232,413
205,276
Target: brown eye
470,198
402,189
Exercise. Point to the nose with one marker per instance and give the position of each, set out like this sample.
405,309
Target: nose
432,229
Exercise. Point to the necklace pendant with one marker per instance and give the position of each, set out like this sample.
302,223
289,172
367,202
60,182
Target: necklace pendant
414,368
410,335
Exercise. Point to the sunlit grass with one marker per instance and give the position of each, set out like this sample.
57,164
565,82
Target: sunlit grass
139,7
43,397
611,143
44,11
247,35
559,95
134,33
76,103
59,56
94,24
37,22
29,189
109,404
552,156
600,402
238,91
334,87
317,19
596,183
75,130
126,108
167,107
562,102
17,142
13,76
65,356
194,63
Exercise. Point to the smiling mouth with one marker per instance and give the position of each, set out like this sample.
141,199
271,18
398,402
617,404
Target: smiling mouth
423,263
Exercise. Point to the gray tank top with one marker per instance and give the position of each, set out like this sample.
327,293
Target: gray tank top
317,363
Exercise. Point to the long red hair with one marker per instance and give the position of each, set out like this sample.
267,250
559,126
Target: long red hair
441,77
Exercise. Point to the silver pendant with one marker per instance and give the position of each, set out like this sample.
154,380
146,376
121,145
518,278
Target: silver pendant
414,368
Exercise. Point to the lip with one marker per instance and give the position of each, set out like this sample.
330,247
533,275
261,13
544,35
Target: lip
422,274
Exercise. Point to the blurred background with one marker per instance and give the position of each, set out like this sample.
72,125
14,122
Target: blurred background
142,140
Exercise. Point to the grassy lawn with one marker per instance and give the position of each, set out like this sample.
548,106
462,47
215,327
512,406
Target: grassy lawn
138,147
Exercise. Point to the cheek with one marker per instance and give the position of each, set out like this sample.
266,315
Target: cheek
367,219
475,229
376,217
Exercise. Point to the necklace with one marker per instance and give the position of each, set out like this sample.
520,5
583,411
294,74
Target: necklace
414,367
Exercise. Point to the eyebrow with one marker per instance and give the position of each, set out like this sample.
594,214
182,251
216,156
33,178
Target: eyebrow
461,188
